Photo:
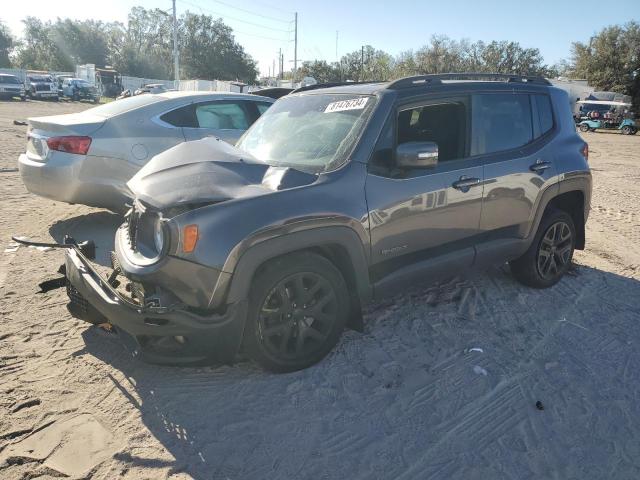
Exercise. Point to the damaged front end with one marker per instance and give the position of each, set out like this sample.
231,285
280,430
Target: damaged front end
167,330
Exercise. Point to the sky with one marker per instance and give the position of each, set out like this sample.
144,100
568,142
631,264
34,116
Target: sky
265,26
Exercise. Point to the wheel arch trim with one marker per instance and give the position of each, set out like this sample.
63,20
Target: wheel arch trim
239,282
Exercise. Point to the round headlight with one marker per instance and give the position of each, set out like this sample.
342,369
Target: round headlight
158,234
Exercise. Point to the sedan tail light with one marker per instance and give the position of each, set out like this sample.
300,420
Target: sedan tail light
70,144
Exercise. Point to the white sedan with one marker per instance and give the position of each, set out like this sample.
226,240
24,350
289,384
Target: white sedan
88,157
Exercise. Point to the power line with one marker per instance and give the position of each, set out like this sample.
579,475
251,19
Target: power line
261,36
235,18
273,7
251,12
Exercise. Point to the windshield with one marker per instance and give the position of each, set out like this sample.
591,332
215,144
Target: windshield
82,83
309,132
9,79
39,78
123,105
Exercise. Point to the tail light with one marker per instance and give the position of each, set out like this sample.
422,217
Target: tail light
585,151
70,144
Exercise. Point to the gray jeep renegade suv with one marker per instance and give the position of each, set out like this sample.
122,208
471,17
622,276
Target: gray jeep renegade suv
336,196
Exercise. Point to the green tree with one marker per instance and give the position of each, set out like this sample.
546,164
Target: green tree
144,47
367,65
6,45
321,70
611,60
209,51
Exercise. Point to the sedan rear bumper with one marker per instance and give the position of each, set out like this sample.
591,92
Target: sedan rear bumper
166,334
59,179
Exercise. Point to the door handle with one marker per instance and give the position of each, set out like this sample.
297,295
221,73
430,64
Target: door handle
540,166
465,183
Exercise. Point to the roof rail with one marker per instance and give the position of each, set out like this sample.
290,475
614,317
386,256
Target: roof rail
329,85
436,79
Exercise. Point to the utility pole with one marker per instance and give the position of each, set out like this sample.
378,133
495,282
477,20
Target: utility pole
295,49
176,61
361,64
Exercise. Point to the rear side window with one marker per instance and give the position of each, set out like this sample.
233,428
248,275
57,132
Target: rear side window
500,121
545,113
222,115
181,117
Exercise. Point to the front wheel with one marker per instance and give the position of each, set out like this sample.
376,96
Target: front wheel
627,130
298,307
550,254
584,127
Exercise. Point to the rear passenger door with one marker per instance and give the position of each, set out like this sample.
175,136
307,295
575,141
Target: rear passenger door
510,137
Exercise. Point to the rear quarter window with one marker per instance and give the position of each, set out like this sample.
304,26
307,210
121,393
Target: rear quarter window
545,113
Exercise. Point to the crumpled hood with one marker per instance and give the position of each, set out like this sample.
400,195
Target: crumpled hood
208,171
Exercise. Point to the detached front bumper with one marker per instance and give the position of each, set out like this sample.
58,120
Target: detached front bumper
166,334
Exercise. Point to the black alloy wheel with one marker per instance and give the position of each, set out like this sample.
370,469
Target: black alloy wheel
298,315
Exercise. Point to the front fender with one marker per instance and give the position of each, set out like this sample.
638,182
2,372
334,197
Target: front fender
253,257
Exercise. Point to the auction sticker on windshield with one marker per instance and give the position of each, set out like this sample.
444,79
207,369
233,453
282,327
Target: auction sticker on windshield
342,105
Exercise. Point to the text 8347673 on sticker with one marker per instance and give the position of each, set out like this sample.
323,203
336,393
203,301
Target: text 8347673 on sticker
342,105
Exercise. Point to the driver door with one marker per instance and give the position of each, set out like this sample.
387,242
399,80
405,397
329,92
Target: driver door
423,221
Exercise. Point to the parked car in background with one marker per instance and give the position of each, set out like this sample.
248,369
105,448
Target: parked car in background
41,86
151,88
88,157
59,79
77,89
334,197
11,87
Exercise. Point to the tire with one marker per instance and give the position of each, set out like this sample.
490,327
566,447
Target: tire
627,130
584,127
531,268
23,99
274,306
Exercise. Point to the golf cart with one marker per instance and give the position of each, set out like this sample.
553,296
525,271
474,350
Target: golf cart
606,115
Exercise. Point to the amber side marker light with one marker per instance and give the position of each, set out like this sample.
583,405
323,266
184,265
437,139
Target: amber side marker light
585,151
189,238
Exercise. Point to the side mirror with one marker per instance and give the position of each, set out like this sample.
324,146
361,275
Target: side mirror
417,155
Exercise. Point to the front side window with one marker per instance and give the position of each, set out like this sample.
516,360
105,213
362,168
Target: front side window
500,121
312,132
222,115
444,123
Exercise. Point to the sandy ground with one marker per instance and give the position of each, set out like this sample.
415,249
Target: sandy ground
407,399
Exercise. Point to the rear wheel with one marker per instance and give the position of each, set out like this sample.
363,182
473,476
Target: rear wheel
298,307
584,127
550,254
627,130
